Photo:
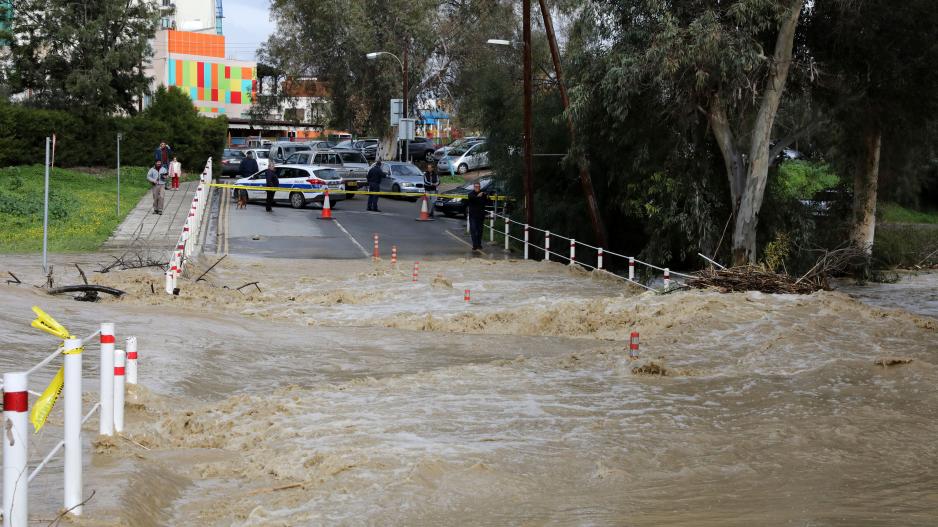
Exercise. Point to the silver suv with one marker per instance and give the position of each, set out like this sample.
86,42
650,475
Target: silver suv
349,163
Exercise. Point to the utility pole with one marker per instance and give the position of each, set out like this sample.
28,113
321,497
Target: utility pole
118,175
45,215
528,174
406,142
599,229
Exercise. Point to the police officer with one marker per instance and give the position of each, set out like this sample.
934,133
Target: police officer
477,200
374,185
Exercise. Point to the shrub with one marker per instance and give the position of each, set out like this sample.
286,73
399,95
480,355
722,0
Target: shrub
801,179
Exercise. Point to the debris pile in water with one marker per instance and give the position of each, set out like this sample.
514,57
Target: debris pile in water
751,278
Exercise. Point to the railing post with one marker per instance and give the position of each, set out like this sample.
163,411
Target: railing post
15,438
73,417
507,233
547,246
106,395
572,252
599,258
120,362
667,278
131,346
631,268
525,241
492,227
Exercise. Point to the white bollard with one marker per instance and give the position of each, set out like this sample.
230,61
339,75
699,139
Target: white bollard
131,344
507,233
667,278
106,395
73,417
547,246
492,228
120,361
15,449
631,268
169,282
467,222
599,258
572,252
525,241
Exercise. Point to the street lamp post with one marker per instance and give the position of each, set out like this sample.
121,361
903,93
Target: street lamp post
527,175
374,55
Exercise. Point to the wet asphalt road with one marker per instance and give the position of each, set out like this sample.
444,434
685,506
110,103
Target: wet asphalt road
299,233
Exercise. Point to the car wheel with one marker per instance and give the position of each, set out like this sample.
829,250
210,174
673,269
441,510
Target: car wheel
428,156
463,168
396,188
297,200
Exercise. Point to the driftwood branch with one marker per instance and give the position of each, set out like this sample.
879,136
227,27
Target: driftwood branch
86,289
82,273
251,283
17,280
210,268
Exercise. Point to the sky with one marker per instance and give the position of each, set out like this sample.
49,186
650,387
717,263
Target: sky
247,24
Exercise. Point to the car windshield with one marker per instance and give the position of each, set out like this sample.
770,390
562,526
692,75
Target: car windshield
353,157
458,151
345,144
483,182
406,170
234,153
262,154
327,174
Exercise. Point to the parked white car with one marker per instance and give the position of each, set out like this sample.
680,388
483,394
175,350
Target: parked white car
463,159
262,155
459,143
302,184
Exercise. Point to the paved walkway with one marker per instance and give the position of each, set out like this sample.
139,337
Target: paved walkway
154,231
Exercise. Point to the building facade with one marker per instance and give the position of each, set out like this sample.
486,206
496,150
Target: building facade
189,54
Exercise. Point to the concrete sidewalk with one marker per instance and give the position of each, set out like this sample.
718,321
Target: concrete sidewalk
141,228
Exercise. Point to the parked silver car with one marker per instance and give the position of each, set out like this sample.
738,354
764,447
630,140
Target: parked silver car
463,159
401,177
350,164
459,143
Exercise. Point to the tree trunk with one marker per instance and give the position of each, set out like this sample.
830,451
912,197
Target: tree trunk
865,182
747,214
723,132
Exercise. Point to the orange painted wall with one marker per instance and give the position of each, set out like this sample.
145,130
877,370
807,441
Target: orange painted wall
202,44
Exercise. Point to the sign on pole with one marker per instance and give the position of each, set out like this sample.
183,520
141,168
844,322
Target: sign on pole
406,129
397,111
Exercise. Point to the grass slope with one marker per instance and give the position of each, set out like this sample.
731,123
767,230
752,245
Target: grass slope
82,207
895,213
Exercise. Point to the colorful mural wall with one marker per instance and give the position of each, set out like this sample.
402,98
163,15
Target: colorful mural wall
209,82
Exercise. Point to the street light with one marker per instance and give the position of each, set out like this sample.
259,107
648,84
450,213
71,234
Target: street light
373,56
526,136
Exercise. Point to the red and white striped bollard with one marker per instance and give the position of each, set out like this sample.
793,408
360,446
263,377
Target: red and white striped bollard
15,449
120,361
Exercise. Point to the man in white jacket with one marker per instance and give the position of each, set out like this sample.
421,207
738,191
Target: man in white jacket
155,178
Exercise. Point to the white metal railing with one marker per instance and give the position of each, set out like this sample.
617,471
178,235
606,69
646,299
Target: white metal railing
16,417
191,229
601,253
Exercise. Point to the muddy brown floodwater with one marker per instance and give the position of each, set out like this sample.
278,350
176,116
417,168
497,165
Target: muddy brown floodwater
342,393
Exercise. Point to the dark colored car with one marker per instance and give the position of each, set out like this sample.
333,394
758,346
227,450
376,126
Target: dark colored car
231,161
421,149
457,206
368,147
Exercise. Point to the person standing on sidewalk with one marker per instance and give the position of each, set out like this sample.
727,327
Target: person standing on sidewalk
477,200
163,154
431,181
374,185
271,180
175,170
247,168
153,176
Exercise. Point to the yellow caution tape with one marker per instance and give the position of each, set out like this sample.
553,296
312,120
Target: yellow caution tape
43,406
46,323
361,192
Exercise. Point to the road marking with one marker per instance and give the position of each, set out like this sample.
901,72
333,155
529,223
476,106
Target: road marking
458,239
360,248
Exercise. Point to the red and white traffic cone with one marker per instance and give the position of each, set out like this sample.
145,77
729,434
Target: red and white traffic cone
633,346
466,296
394,255
416,270
326,208
376,255
424,210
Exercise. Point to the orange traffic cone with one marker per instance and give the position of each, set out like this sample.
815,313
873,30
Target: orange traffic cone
326,208
424,210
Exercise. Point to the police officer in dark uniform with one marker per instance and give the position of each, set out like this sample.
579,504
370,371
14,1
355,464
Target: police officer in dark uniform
374,185
477,201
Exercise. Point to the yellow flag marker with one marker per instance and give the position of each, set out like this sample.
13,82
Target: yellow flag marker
43,406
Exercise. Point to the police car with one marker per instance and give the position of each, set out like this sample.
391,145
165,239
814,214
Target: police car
302,184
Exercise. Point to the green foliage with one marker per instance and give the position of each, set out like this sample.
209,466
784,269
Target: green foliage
894,213
82,207
905,245
801,179
92,141
85,56
777,251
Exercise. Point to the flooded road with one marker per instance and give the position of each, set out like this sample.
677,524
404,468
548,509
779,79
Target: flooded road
342,393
